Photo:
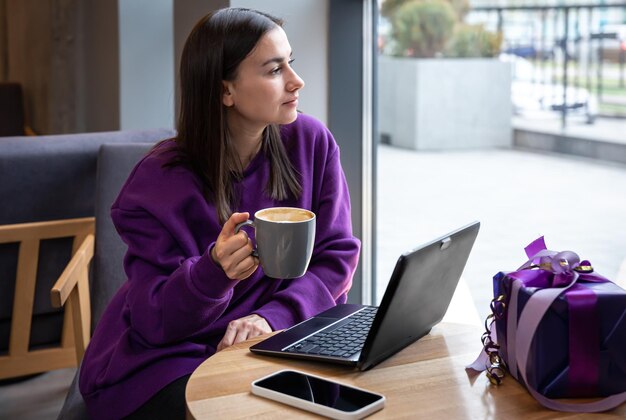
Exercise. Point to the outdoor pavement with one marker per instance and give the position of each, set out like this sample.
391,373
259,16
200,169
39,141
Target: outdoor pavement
611,130
578,204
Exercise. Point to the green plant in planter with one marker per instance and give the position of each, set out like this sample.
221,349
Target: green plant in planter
388,8
473,41
421,28
431,28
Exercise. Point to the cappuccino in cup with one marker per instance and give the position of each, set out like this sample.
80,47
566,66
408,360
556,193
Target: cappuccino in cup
285,237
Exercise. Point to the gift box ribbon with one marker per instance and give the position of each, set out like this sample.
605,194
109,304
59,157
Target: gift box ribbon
558,274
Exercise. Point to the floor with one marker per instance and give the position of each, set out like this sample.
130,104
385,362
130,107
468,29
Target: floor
37,398
578,204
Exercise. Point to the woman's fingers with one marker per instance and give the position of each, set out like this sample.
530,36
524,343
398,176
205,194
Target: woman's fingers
224,248
233,251
243,329
228,229
240,264
242,335
227,340
254,265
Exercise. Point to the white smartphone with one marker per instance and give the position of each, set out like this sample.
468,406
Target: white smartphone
319,395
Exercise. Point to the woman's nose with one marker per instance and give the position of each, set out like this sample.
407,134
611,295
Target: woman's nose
295,82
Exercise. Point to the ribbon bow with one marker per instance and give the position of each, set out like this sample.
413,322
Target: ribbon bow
556,269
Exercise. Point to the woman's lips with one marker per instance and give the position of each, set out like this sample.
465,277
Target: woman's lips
293,102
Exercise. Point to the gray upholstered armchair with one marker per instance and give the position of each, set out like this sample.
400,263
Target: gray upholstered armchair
48,192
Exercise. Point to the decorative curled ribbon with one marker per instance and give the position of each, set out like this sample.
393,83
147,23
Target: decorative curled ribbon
495,369
558,272
489,358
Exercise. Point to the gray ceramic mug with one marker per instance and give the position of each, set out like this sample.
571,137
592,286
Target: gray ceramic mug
284,240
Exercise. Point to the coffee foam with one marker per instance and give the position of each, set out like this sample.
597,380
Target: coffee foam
285,215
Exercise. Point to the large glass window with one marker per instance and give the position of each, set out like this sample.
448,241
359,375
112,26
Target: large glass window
510,115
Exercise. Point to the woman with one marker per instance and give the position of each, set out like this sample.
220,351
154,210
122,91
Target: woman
193,286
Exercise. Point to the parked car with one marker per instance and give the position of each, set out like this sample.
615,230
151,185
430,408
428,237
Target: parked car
530,52
530,94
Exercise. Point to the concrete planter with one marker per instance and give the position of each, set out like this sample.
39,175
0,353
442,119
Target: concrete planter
433,104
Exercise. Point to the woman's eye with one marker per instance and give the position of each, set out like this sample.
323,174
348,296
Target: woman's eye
279,69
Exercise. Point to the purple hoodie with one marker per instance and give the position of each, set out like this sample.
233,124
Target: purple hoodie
173,310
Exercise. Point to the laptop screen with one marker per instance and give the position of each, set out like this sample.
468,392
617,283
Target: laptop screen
419,293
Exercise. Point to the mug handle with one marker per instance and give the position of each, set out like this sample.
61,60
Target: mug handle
238,228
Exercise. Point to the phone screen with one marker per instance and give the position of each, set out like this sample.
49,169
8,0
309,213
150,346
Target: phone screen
319,391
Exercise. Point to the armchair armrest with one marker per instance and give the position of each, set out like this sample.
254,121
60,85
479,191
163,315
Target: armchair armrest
72,274
72,288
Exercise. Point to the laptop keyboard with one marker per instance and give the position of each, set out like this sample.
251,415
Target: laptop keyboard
340,340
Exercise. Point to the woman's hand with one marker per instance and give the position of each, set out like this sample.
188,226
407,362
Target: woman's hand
242,329
233,252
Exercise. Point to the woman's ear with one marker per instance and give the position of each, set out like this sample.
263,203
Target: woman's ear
227,97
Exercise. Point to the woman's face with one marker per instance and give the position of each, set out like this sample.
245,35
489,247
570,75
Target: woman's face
265,89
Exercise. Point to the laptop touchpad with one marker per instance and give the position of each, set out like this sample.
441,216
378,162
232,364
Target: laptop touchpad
294,333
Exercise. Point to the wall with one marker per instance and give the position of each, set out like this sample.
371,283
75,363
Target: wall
306,25
101,62
186,14
146,67
84,67
41,53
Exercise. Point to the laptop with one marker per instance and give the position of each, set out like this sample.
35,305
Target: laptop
416,298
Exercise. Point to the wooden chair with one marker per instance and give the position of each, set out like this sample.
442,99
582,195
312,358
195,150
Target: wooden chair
21,358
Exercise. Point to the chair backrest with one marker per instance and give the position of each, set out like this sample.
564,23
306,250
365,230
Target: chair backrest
54,177
11,109
42,179
115,162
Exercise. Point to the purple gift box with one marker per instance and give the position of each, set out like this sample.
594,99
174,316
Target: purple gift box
579,346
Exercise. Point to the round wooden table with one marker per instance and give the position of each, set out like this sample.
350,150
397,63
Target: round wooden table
425,380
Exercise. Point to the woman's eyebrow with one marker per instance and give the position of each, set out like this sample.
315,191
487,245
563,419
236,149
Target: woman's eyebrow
276,60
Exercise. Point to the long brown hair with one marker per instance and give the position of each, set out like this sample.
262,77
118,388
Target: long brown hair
213,51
